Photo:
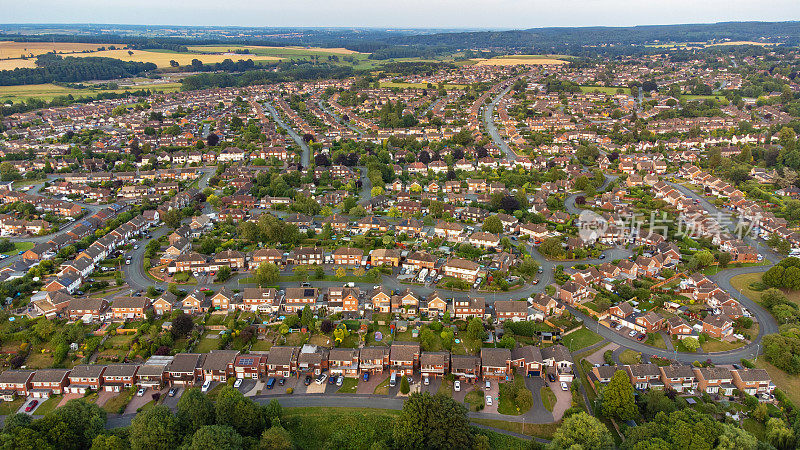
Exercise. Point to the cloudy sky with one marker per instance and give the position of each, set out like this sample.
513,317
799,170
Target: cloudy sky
397,14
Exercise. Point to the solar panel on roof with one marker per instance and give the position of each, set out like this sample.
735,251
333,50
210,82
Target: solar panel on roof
246,361
308,292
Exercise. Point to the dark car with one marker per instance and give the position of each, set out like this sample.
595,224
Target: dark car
282,381
331,380
366,376
172,392
641,337
551,377
307,381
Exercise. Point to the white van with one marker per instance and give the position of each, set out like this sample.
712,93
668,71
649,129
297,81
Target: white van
393,380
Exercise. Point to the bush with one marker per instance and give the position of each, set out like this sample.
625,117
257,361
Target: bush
289,390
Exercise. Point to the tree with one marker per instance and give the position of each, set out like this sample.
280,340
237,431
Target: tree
275,438
724,259
223,274
213,437
551,247
195,411
475,329
154,428
779,434
306,317
735,438
404,387
581,431
617,398
432,422
267,274
182,325
340,272
691,343
109,442
492,224
238,412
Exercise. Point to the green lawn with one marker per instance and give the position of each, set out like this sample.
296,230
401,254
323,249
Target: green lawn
20,247
630,357
540,430
754,427
548,398
7,408
382,388
474,399
349,386
789,384
715,345
506,404
48,405
581,338
116,405
658,341
609,90
206,344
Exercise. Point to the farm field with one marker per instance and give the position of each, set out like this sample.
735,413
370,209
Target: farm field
162,59
273,51
11,49
515,60
11,64
48,91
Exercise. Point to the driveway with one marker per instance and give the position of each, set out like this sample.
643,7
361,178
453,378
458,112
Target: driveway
538,413
172,402
597,357
104,396
368,387
493,391
563,400
137,402
433,386
27,402
68,397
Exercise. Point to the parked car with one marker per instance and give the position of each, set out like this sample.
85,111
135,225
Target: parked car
141,392
321,378
339,380
205,386
564,386
488,385
641,337
237,383
271,383
31,405
172,392
632,333
618,327
488,400
426,381
366,376
282,381
551,377
332,380
307,381
457,386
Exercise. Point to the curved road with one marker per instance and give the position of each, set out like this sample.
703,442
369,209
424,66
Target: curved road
305,159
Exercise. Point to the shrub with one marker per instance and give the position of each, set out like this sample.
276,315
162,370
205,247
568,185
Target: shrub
289,390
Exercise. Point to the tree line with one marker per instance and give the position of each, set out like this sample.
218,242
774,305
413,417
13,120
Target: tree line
51,68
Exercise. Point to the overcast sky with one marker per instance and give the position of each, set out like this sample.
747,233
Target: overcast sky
397,13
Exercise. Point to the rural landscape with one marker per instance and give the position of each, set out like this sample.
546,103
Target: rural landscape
273,236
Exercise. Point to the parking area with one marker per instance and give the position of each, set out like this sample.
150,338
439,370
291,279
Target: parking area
104,396
563,399
137,401
369,386
627,332
28,402
493,392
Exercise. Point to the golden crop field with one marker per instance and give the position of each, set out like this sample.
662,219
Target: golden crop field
11,64
517,60
299,51
48,91
162,59
11,49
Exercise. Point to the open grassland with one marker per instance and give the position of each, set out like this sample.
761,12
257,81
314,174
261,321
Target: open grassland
516,60
11,64
789,384
48,91
273,51
162,59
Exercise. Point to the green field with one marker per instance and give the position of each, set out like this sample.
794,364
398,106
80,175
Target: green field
581,338
548,398
49,91
20,247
